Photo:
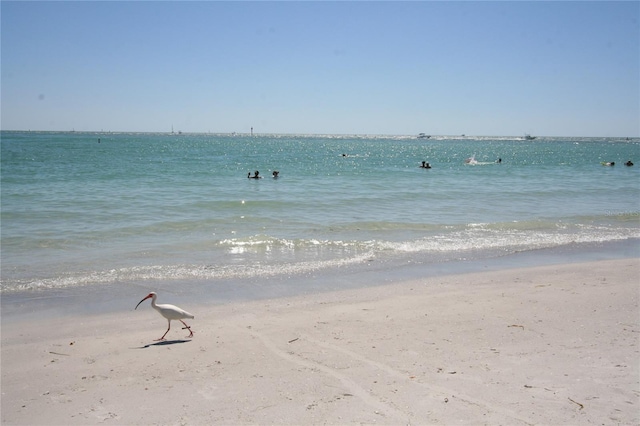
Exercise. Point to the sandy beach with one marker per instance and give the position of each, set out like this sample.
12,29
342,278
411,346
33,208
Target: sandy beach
544,345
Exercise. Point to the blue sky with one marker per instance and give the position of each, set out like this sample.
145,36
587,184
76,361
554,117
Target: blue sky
399,68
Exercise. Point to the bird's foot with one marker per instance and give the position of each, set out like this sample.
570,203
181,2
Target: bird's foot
162,339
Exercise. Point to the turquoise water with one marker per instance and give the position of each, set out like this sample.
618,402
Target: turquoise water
87,209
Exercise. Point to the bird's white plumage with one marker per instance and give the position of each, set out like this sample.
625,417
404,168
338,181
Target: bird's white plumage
171,311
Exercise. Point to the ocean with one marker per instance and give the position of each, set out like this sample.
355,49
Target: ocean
177,213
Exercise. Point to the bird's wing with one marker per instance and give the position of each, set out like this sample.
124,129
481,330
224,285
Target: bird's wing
173,312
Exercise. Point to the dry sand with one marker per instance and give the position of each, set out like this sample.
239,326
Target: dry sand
544,345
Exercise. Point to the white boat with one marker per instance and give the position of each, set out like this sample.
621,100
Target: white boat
528,137
423,136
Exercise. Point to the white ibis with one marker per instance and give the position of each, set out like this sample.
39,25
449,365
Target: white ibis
170,312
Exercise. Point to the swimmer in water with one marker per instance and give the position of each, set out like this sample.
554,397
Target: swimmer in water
275,174
255,175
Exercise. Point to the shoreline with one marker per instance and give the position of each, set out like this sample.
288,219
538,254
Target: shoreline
117,297
552,344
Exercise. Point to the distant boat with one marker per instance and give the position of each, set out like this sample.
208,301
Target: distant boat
423,136
528,137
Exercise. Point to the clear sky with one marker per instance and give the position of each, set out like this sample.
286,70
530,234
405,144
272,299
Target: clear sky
567,68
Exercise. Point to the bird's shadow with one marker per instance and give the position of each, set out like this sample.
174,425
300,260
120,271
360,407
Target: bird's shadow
163,343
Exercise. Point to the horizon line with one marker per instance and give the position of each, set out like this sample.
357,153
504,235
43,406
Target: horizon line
254,134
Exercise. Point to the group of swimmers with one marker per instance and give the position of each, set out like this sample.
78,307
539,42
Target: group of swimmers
426,165
613,163
256,175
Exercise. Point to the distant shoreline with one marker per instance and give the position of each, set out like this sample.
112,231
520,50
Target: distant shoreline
319,135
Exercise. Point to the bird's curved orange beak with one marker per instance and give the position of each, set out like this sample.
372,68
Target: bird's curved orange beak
148,296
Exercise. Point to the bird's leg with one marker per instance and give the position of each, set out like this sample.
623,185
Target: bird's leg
165,333
188,328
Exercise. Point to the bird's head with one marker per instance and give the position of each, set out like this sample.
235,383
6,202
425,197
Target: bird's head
150,295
